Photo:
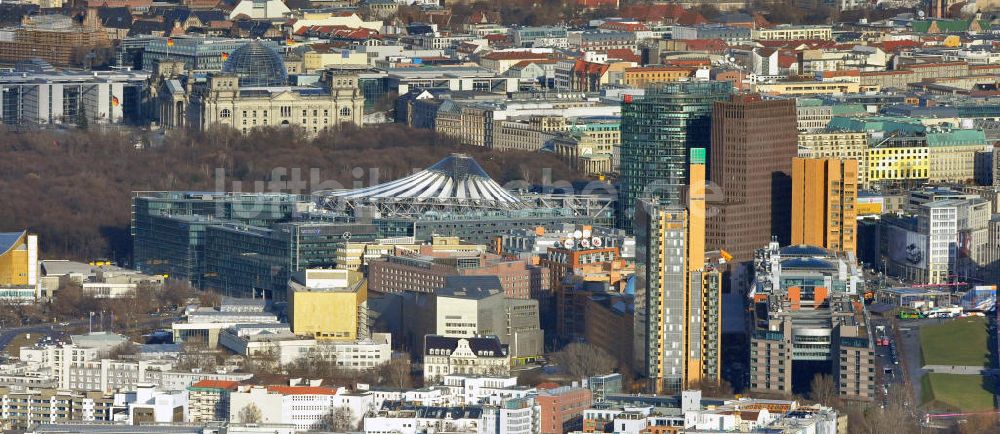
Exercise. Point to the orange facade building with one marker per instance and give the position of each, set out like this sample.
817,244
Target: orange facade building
824,203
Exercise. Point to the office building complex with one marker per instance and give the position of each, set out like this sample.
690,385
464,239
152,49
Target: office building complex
753,143
657,131
34,93
824,198
677,307
807,317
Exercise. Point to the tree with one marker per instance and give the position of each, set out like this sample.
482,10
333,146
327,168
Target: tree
580,360
823,391
250,414
339,419
396,373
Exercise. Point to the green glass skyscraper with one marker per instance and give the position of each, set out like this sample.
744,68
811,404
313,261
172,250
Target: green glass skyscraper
658,130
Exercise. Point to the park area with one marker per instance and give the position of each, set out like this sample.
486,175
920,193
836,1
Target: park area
956,392
958,343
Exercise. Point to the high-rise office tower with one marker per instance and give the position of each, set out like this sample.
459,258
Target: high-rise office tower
824,198
657,131
677,310
753,143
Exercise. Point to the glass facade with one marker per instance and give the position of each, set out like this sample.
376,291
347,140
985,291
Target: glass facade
657,131
257,65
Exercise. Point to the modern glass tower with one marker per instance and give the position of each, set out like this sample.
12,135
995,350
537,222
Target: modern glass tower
657,131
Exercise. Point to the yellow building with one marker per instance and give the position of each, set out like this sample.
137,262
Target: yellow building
644,76
18,266
677,309
898,163
788,32
328,304
824,202
843,145
319,60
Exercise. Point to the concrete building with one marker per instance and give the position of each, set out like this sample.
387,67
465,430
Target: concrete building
753,144
824,202
208,400
807,315
328,304
471,306
677,292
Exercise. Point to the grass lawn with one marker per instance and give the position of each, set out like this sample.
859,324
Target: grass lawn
956,392
21,340
960,341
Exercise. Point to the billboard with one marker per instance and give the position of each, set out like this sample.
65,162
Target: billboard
906,247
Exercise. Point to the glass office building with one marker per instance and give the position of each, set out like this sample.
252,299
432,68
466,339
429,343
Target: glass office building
657,130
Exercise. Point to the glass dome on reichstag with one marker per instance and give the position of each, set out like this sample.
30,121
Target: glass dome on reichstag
257,66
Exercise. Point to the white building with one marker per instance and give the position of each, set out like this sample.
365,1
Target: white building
149,404
404,419
473,356
260,9
278,340
302,406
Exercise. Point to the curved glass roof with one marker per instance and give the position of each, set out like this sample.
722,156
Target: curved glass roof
257,66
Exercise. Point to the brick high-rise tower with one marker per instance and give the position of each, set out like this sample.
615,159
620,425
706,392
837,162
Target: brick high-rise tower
753,144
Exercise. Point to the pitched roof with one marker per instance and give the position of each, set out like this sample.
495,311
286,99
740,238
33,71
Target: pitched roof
9,240
217,384
624,54
478,345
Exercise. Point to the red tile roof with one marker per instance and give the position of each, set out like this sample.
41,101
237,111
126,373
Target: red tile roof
624,54
216,384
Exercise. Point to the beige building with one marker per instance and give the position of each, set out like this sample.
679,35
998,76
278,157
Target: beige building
224,102
952,154
786,32
807,87
838,145
517,135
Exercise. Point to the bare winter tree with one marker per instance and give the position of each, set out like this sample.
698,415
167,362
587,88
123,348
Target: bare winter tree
250,414
584,360
339,419
823,391
396,373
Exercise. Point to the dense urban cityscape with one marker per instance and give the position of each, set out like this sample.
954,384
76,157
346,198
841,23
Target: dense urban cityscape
518,216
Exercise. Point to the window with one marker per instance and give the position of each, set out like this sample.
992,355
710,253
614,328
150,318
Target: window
345,112
225,113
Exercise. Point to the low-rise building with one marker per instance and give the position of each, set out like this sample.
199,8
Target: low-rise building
470,356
